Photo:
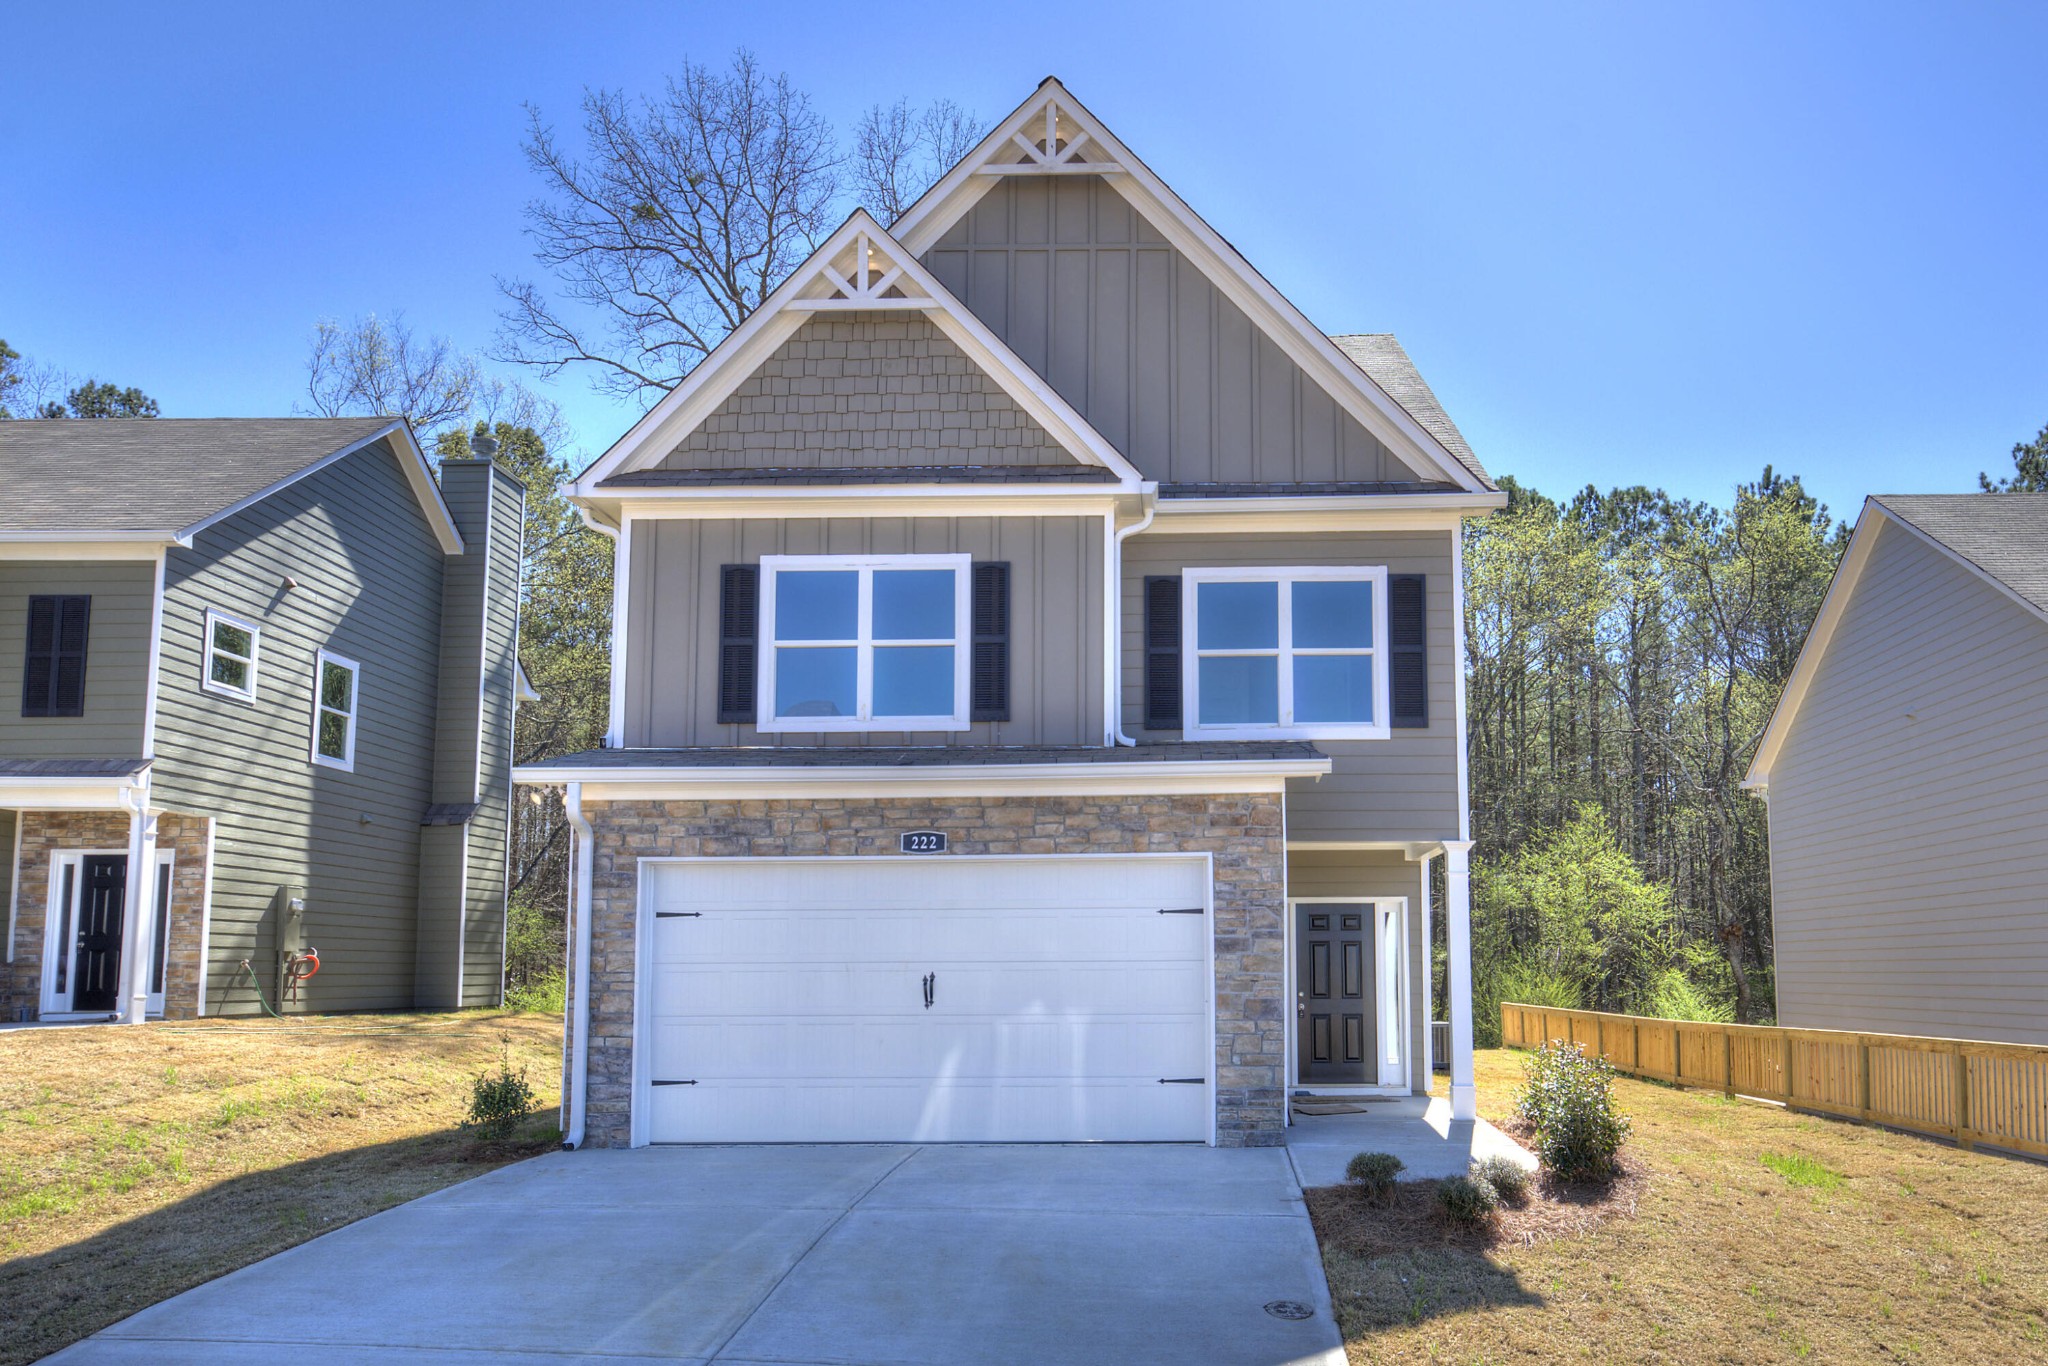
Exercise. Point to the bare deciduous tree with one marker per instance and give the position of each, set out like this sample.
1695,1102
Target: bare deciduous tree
685,212
899,153
377,367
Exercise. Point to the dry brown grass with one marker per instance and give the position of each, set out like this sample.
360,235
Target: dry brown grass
1917,1253
138,1162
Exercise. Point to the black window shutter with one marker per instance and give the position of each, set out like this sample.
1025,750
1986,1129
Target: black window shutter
1162,652
53,668
990,687
739,614
1408,649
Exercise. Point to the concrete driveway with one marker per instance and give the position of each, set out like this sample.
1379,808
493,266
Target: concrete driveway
863,1254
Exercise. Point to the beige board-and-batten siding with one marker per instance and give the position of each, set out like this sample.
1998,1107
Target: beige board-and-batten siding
116,657
1968,1090
1242,833
368,568
1404,787
1909,873
867,390
671,691
1136,338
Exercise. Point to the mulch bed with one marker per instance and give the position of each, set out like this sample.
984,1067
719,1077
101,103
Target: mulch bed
1551,1209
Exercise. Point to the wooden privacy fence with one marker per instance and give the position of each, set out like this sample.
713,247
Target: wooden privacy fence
1995,1093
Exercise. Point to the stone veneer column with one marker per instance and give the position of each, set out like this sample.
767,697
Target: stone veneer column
1241,832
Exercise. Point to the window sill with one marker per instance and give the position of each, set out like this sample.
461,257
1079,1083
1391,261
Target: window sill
222,690
845,725
1332,732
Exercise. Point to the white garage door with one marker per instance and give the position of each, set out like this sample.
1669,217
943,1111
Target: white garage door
928,1000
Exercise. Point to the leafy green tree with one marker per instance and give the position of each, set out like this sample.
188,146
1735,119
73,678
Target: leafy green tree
2030,468
101,399
30,390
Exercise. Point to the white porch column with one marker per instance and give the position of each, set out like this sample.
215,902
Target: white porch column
1458,934
1428,984
138,909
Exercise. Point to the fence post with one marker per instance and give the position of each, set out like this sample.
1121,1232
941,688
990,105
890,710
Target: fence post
1863,1052
1727,1063
1964,1137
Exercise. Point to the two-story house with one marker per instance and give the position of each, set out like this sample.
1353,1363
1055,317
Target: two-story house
256,690
1036,692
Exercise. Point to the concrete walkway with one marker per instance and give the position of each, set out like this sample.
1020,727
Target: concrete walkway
1417,1129
864,1254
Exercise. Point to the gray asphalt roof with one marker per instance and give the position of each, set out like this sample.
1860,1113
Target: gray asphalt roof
932,756
2003,534
71,768
1380,356
866,474
158,474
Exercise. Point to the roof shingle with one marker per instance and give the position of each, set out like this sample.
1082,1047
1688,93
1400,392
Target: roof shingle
2004,534
1382,358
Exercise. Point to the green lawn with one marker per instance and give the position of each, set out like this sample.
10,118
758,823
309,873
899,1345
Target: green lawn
1750,1234
138,1162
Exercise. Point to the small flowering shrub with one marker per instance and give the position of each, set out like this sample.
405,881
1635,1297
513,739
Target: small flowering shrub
1568,1099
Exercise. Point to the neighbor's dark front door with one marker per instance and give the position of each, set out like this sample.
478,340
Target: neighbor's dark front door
96,966
1333,998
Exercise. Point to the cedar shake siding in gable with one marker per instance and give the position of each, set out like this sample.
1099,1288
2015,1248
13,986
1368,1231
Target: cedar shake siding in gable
369,575
1404,787
857,390
672,631
1134,336
116,658
1907,808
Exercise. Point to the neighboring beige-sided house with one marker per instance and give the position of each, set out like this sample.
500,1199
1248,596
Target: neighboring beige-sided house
1906,772
273,662
1036,692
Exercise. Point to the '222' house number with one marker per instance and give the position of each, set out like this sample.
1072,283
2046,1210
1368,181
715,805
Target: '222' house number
922,842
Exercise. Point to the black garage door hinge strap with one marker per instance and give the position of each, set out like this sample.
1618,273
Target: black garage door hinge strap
1183,1081
1183,910
676,915
691,1082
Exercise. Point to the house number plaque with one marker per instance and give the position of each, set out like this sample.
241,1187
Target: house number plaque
922,842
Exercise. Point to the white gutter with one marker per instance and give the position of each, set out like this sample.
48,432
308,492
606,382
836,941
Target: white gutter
580,898
881,779
1113,658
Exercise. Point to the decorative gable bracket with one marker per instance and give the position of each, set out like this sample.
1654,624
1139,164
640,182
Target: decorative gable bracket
1052,141
864,274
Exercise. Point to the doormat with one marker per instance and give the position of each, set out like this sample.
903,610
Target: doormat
1338,1105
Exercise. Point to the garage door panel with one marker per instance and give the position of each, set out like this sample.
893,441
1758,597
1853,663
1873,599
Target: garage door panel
791,998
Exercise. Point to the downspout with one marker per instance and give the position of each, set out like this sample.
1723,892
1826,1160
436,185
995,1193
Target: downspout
580,897
1113,661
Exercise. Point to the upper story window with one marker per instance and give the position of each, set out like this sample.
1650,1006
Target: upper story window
1279,653
334,710
864,642
53,666
230,666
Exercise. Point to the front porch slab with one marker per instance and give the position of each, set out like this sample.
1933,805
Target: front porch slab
1417,1129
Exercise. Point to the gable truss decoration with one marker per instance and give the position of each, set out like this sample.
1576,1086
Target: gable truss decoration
860,267
1050,133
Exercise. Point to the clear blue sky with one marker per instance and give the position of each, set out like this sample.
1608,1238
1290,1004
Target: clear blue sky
1661,243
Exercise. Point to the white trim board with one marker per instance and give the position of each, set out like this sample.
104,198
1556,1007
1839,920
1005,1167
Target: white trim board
955,193
793,303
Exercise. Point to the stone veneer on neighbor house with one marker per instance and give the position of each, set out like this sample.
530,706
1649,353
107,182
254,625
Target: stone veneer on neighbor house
1243,832
46,832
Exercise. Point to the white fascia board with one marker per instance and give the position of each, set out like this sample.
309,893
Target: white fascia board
750,344
1832,606
893,500
1391,512
85,545
951,780
1271,311
64,794
411,459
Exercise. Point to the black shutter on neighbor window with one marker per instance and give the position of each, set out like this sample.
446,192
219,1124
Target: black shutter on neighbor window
990,671
739,614
1162,652
53,667
1408,649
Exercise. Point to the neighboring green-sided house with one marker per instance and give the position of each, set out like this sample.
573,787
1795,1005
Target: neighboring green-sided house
1906,771
272,662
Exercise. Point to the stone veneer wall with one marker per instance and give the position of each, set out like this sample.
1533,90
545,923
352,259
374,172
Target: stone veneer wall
44,832
1243,832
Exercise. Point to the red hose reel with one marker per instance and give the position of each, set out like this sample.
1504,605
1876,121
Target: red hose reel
297,968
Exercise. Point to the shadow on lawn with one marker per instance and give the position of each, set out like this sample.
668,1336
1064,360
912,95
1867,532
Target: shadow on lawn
51,1299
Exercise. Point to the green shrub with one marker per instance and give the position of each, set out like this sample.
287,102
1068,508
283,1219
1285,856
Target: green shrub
545,995
1521,980
1674,996
1509,1178
1467,1200
1568,1098
498,1101
1374,1175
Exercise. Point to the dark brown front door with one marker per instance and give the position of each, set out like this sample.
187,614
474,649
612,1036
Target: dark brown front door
1333,992
96,962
